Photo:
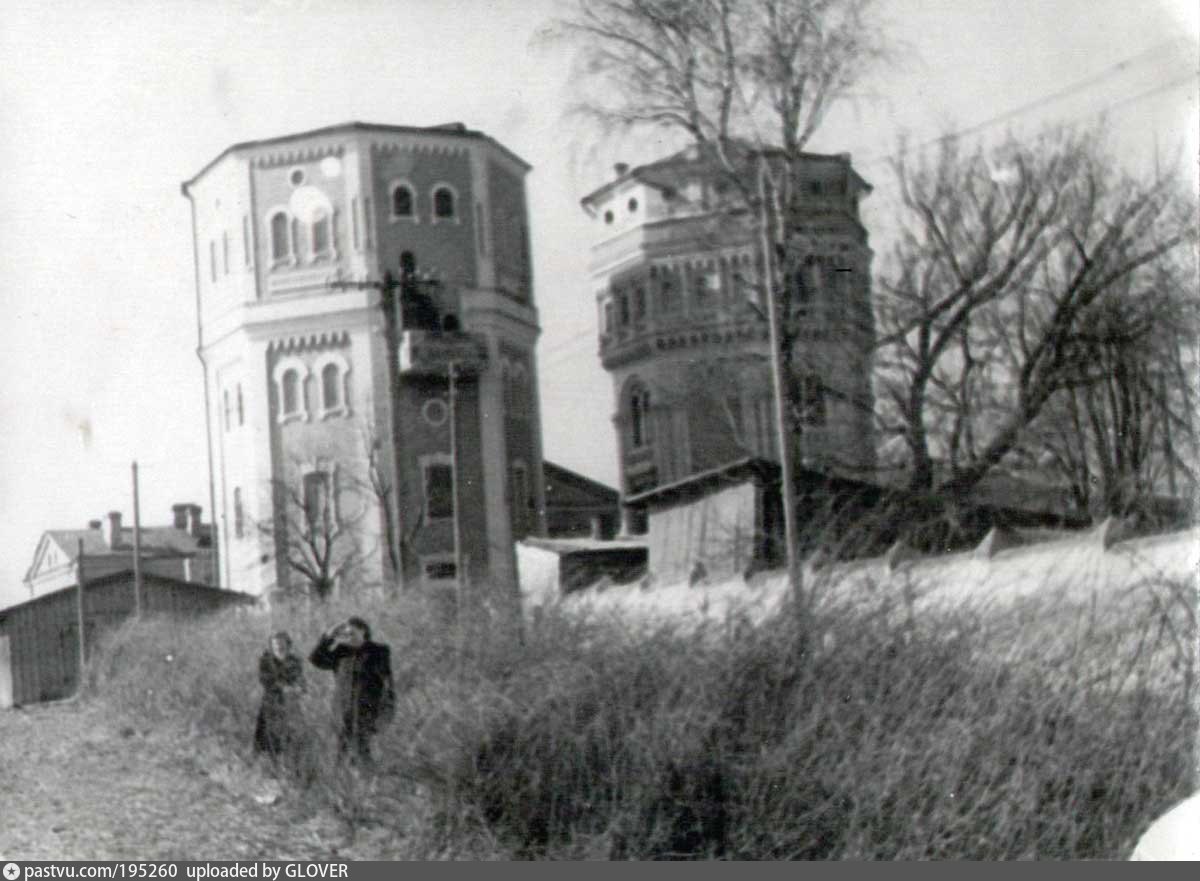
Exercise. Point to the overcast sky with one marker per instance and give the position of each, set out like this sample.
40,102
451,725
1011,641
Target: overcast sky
106,106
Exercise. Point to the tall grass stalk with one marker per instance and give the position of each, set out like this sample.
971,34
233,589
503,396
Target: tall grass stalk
1038,730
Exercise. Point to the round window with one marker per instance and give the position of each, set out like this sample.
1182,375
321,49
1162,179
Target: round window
435,412
296,177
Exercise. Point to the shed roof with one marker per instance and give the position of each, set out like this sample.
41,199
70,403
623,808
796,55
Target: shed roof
232,596
566,546
737,471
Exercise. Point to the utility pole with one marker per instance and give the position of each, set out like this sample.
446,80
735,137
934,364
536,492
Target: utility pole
137,547
79,615
392,306
778,389
459,598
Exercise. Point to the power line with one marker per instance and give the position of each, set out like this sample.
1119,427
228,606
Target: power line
566,344
1075,88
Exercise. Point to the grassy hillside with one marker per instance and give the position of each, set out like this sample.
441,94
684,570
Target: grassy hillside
1042,729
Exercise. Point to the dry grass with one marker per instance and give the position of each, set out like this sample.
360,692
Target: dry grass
1035,731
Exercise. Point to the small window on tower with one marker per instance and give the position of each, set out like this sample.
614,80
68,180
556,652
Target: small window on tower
330,394
443,203
281,248
322,241
639,416
402,201
439,491
332,372
291,393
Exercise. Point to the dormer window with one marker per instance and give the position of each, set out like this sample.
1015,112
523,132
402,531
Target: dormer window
444,203
403,202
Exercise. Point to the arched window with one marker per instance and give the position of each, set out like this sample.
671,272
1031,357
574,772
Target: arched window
241,407
639,416
330,395
322,238
443,203
281,243
289,376
291,392
332,371
403,204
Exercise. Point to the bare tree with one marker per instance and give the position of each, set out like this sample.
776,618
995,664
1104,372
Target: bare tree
1005,262
378,486
1123,429
317,529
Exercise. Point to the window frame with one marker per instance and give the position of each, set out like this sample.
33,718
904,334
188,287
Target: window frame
279,375
638,403
455,216
342,406
394,186
428,462
288,258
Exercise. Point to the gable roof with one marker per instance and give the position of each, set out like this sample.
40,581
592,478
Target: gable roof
554,474
157,542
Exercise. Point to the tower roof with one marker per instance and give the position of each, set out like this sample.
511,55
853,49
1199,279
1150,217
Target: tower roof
451,129
660,172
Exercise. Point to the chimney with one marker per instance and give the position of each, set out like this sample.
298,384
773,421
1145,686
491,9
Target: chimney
620,168
112,533
93,524
179,515
193,520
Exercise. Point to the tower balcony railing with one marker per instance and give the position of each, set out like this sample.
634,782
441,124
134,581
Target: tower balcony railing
432,352
622,343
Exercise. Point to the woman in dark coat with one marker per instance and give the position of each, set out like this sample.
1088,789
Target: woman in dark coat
282,678
363,692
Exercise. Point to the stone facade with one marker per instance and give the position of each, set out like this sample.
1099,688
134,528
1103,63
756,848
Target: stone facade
327,392
676,273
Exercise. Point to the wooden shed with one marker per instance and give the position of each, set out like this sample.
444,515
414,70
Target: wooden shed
39,638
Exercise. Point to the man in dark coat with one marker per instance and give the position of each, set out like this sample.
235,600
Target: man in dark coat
363,693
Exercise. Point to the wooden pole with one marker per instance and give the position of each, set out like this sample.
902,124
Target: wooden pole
459,599
79,614
137,548
778,389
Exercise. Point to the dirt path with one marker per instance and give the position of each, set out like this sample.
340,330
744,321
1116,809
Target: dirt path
75,786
